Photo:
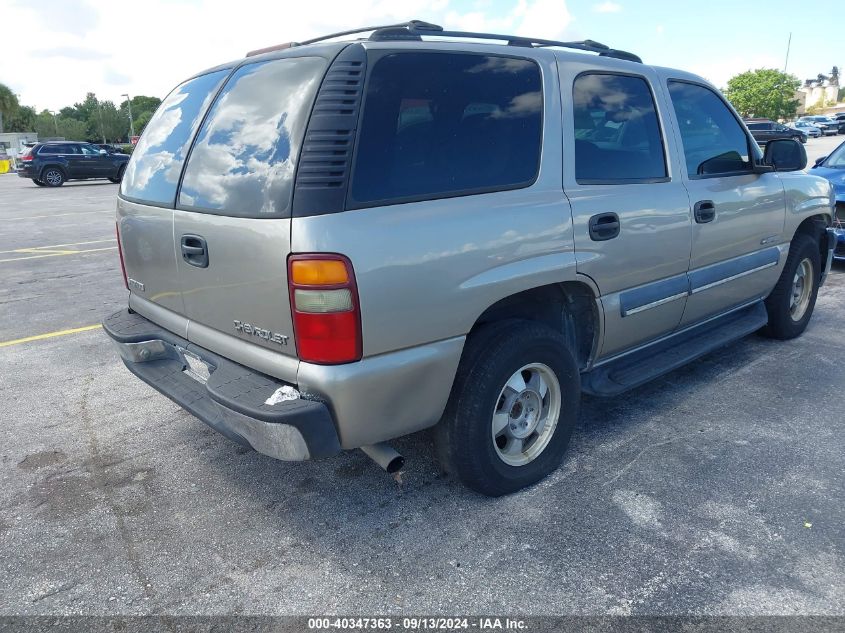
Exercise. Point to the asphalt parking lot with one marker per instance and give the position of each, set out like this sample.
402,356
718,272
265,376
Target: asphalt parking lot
718,489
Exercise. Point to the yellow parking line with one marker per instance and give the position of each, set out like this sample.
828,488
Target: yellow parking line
40,337
54,254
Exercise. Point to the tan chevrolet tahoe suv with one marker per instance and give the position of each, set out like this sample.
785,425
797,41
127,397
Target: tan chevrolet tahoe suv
334,243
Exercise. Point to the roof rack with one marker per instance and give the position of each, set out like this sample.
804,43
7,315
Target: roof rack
414,29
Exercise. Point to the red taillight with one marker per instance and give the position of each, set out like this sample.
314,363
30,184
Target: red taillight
27,157
324,305
120,252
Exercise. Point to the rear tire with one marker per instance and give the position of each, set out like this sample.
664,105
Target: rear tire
53,177
38,182
791,303
512,409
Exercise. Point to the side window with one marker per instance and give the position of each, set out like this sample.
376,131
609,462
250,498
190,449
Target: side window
156,164
244,158
439,124
714,141
47,150
90,150
617,134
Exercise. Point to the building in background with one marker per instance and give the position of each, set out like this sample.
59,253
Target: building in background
821,94
12,145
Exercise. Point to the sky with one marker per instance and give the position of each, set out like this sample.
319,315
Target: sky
58,50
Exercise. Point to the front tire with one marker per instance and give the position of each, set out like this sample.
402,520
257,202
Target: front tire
512,409
119,177
53,177
791,303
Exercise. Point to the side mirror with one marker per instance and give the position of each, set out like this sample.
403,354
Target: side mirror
785,155
819,161
103,152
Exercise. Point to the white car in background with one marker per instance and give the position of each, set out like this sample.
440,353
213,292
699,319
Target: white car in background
825,124
808,128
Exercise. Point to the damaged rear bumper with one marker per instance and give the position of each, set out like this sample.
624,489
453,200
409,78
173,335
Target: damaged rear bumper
250,408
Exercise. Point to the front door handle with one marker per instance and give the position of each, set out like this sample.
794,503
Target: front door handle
704,211
195,250
604,226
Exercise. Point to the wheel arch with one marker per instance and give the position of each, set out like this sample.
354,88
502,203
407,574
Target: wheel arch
571,308
814,227
58,166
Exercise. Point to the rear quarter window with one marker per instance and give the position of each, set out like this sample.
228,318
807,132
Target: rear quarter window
244,159
152,173
438,125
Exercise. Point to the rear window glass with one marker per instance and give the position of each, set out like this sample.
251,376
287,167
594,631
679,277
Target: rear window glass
445,124
244,159
153,172
58,149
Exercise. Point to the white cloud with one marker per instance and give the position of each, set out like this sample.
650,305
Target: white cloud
111,48
607,7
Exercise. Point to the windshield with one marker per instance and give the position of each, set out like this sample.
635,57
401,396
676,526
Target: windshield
836,159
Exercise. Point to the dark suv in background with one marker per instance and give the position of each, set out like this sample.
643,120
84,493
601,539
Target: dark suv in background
764,131
51,164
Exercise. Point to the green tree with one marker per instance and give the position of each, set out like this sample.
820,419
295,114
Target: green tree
141,121
45,125
23,120
115,126
8,104
765,92
73,129
143,108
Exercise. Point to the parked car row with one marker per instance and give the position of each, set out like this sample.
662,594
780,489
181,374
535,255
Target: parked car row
829,126
811,126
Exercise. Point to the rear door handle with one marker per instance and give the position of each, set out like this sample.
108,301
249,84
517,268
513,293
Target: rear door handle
604,226
195,250
704,211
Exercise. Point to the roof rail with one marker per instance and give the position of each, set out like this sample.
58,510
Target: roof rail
419,27
413,29
590,46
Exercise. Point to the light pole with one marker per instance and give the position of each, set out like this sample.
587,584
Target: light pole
55,122
102,129
131,122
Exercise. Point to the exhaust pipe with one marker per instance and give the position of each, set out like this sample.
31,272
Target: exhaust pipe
385,456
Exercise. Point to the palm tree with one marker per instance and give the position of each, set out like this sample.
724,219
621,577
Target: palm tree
8,104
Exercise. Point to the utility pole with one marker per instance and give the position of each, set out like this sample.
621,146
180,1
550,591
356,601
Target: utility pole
788,46
102,129
55,122
131,122
785,80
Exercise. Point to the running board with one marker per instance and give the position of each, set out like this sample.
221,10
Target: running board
641,366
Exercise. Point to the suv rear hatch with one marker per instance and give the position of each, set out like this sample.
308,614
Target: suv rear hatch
206,232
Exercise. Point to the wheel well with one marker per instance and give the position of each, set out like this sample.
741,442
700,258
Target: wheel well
569,308
814,227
